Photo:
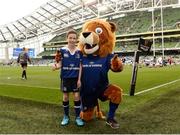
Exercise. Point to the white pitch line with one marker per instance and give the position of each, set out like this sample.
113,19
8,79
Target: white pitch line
123,93
28,86
156,87
38,87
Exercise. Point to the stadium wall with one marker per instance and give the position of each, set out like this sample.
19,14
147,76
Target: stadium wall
6,49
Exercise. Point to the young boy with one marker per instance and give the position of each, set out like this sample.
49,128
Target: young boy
23,58
70,77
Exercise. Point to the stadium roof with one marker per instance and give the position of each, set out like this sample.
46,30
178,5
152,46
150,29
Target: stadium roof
56,16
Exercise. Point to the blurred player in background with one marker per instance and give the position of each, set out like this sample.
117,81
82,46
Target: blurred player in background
23,59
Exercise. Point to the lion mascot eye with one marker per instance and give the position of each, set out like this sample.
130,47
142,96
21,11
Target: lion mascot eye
98,30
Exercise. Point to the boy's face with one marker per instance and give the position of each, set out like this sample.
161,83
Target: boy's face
72,39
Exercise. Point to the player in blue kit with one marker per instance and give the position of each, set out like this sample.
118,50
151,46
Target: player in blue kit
71,77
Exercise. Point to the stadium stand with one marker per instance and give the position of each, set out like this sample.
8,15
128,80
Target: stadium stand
53,19
134,25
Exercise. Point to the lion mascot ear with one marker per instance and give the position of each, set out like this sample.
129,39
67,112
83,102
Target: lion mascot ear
113,26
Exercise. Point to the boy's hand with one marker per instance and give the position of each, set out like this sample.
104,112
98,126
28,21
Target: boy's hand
54,67
78,83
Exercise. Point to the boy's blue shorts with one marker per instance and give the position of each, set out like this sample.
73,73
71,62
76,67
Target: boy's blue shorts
69,85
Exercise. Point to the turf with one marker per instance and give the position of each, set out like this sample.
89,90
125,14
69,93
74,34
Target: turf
140,114
33,106
43,84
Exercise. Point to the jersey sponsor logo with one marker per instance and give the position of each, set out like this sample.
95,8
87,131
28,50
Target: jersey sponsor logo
77,56
91,62
94,65
70,68
66,55
71,65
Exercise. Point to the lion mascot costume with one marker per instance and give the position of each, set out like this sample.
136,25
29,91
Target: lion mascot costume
96,42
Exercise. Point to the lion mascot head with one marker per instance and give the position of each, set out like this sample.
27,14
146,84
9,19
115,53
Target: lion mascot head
97,37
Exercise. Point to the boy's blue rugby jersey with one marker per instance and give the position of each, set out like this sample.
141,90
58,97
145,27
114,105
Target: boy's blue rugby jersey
70,63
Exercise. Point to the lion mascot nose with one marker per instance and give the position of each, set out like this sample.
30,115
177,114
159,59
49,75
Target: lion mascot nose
86,34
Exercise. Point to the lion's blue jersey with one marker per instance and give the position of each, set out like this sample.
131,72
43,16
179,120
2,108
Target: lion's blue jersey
70,63
94,76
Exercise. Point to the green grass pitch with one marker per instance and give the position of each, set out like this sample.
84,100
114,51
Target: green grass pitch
33,105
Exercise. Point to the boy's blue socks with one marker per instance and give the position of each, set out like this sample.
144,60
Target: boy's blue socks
66,107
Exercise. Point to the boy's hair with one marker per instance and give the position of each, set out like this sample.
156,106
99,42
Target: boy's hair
71,32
